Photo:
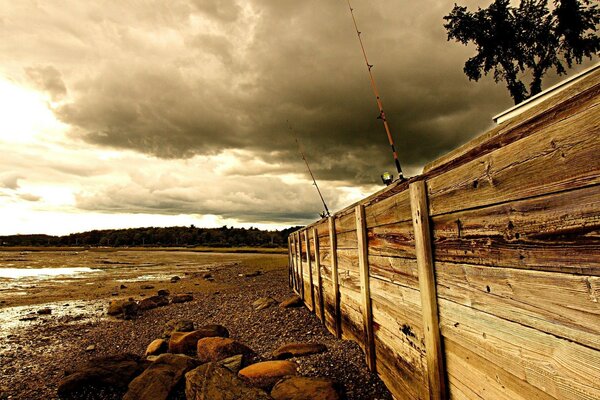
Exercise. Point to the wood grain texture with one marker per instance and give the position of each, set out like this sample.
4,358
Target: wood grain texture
400,271
558,157
334,277
563,305
556,232
394,240
309,271
390,210
433,345
319,294
473,377
553,109
300,266
558,367
363,267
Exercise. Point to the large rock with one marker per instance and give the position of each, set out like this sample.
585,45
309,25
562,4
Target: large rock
293,301
212,382
218,348
157,347
114,372
264,302
130,309
303,388
177,325
186,342
233,363
115,307
265,374
159,379
153,302
182,298
298,349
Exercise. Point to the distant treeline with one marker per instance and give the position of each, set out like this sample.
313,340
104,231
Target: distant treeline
172,236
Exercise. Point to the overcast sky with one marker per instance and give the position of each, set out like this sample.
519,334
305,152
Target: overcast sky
157,113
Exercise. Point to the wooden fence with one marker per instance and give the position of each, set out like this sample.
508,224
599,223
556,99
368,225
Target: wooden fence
479,279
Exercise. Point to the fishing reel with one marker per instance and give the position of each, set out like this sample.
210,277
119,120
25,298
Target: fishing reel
388,178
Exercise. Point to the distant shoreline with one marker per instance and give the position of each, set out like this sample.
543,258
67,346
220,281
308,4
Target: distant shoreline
199,249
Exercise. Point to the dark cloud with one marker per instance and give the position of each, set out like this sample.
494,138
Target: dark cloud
201,77
48,79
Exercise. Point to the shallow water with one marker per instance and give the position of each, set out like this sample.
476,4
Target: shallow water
16,273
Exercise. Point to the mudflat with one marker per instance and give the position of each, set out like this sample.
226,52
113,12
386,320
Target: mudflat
53,314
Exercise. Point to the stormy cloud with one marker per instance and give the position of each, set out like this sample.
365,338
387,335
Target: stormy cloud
209,95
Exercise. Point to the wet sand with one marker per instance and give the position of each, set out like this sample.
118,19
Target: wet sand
36,350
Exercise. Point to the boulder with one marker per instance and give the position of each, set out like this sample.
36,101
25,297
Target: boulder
182,298
130,309
156,347
213,382
186,342
218,348
44,311
233,363
298,349
293,301
177,325
265,374
164,292
159,379
153,302
175,279
303,388
115,307
253,274
264,302
147,287
114,372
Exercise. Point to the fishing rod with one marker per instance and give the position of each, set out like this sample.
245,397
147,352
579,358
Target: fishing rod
325,213
386,177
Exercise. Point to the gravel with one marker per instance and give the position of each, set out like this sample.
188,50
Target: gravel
35,357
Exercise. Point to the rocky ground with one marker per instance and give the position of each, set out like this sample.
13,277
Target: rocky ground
36,356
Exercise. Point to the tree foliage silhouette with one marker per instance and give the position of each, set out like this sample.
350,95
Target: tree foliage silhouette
520,44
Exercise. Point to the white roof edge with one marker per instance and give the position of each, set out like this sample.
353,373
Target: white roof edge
538,98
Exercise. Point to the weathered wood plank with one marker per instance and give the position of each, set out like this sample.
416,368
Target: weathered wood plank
319,304
398,309
564,305
345,222
559,157
363,268
401,366
551,110
556,232
310,272
391,210
563,369
394,240
334,276
400,271
347,240
347,259
435,361
300,266
476,378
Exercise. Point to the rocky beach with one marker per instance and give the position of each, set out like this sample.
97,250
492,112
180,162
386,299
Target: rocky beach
216,324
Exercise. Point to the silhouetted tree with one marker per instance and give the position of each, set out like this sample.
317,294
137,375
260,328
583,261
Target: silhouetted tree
528,39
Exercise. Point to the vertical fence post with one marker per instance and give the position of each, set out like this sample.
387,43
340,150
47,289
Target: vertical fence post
301,264
321,314
334,278
290,267
363,268
310,272
433,348
295,264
